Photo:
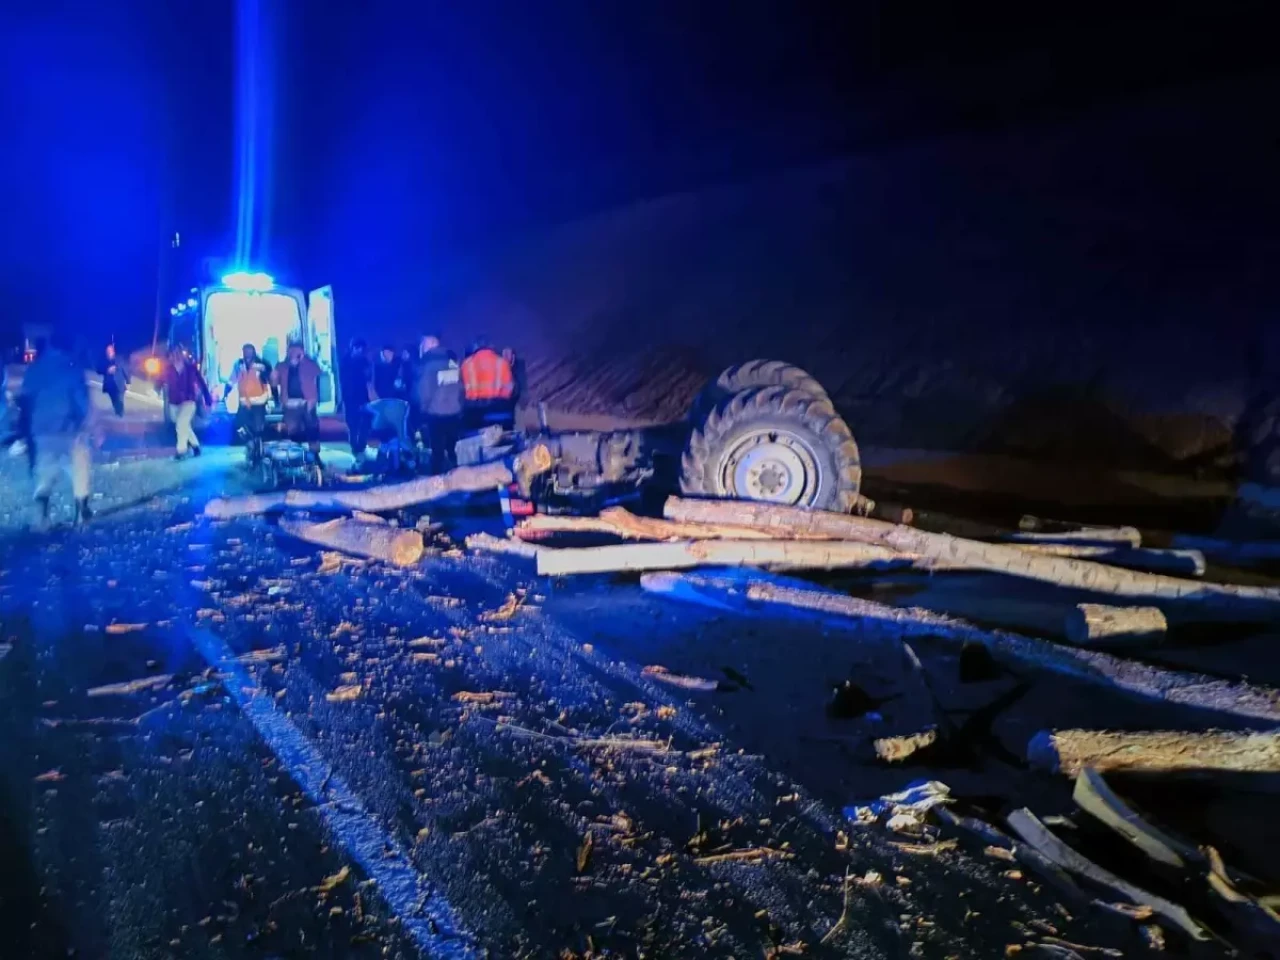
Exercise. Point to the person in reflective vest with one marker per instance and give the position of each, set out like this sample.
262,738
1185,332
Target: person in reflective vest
488,385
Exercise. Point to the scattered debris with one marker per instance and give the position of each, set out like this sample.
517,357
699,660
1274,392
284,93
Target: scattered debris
351,691
118,629
132,686
751,854
685,682
335,880
401,548
898,749
915,801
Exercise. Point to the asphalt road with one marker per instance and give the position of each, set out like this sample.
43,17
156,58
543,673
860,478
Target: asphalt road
221,743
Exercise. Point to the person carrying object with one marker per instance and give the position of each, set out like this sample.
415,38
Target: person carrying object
186,389
298,380
56,396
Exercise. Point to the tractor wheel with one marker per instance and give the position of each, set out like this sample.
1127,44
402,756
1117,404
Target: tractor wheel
777,445
745,376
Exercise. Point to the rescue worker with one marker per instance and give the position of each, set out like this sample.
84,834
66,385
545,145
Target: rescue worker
251,378
115,377
487,383
439,403
357,392
56,395
298,380
185,387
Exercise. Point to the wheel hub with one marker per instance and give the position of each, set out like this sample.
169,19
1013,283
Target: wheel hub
775,466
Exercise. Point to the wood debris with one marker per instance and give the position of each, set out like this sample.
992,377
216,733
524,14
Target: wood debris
684,681
131,686
343,694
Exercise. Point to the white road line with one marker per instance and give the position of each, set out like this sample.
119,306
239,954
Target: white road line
424,913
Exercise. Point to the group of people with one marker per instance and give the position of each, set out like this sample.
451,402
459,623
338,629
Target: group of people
430,394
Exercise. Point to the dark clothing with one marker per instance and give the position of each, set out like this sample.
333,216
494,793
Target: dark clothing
388,382
357,376
295,381
186,386
521,377
359,423
298,381
442,437
439,385
114,380
252,419
302,425
56,395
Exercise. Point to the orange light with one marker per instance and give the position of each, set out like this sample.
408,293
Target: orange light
152,366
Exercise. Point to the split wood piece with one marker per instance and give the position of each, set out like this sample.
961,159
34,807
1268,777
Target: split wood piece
1071,751
1182,563
1092,623
1235,552
1224,601
1098,536
1093,795
899,749
731,591
683,555
488,543
619,522
1025,824
402,548
385,497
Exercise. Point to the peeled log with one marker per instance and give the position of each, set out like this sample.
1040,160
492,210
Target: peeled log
1224,601
389,496
1097,536
1091,623
683,555
619,522
488,543
1107,751
729,591
403,548
1183,563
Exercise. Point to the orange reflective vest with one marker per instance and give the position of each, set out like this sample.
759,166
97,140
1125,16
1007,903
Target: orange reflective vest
486,376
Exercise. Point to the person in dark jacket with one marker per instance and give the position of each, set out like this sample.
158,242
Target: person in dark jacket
298,380
439,403
388,375
57,397
357,392
185,388
115,378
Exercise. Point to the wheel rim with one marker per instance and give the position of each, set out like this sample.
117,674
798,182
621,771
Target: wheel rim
774,466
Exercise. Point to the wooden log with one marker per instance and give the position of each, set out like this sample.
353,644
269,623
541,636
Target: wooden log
1070,751
390,496
488,543
1095,797
1223,601
620,522
1090,623
1096,536
1025,824
1182,563
686,554
731,591
1242,553
379,541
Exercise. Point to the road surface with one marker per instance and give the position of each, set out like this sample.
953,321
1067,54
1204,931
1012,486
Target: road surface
221,743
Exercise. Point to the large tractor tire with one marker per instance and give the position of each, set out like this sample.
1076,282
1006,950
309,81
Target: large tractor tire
745,376
777,445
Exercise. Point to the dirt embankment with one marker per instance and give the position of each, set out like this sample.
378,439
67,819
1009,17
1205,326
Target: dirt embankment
1098,290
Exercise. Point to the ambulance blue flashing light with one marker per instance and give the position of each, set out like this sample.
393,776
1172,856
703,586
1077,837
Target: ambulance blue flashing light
245,281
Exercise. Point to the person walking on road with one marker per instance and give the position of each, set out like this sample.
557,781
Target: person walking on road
357,393
439,403
56,395
115,378
185,388
298,380
251,378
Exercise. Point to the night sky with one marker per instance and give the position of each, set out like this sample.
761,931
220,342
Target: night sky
427,128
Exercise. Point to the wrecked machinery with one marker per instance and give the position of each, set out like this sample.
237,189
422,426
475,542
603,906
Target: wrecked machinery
763,430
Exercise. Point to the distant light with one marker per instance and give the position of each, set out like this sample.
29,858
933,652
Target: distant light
173,311
248,281
191,301
195,289
151,366
180,308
